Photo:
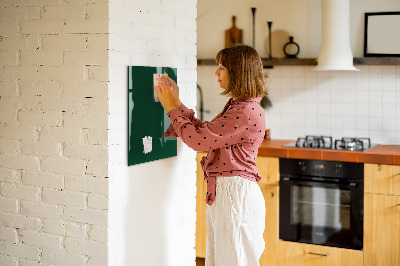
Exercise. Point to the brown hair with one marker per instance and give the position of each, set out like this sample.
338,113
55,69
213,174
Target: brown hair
245,69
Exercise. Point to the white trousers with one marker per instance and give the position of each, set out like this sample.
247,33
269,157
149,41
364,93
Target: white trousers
235,223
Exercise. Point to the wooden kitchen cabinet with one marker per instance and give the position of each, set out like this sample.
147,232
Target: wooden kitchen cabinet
382,179
300,254
201,205
382,215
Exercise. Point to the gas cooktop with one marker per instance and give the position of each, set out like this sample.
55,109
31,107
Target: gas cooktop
326,142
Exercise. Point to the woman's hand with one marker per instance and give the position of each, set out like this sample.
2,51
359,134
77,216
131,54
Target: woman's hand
175,90
165,96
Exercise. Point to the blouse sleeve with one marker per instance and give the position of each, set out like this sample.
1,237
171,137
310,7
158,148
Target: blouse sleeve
189,114
231,128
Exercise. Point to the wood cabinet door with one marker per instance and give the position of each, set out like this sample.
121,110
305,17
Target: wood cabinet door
268,167
201,205
271,232
299,254
382,179
381,230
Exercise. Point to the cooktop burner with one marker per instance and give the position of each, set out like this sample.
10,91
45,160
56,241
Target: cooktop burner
326,142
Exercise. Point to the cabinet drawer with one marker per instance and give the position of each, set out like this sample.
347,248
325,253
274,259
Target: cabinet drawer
299,254
382,179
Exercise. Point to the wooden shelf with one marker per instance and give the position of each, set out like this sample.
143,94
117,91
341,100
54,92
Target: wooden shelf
269,63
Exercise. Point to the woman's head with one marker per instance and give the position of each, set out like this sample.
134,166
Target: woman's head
244,70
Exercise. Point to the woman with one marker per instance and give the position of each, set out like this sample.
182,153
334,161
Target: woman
236,212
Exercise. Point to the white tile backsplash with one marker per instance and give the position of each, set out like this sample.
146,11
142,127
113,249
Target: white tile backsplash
363,103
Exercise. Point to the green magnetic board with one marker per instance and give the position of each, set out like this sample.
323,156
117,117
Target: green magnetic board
147,119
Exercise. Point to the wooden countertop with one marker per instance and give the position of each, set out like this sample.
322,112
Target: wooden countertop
380,154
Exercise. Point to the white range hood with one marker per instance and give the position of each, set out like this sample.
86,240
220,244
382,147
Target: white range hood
335,52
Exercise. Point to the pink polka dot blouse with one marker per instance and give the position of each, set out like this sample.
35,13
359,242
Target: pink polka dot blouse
232,139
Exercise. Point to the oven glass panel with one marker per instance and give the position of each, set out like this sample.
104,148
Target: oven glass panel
321,207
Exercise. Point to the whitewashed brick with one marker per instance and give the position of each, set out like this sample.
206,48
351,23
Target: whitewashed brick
19,191
185,48
40,118
18,132
68,42
35,239
62,258
88,152
87,184
63,166
68,12
85,247
41,27
97,11
8,29
86,89
98,42
8,260
20,161
97,169
28,73
7,175
85,58
61,104
60,134
19,221
22,43
95,136
43,179
8,88
61,73
97,202
85,121
8,234
98,260
186,22
19,250
39,2
95,105
54,227
86,26
8,117
41,148
68,198
49,58
18,13
8,205
41,209
8,146
9,58
98,233
26,262
76,230
89,216
97,73
39,88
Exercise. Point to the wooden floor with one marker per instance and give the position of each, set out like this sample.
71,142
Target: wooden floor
200,262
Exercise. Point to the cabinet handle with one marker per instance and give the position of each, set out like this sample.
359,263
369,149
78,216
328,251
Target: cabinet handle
319,254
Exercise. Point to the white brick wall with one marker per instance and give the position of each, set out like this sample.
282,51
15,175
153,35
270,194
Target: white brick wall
53,132
152,205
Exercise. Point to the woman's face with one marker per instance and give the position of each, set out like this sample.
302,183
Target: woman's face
223,77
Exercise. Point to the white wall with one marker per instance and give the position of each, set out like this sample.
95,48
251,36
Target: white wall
152,205
337,103
53,133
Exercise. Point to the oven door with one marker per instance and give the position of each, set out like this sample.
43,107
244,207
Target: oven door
321,212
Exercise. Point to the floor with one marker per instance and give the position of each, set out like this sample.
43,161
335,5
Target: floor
200,262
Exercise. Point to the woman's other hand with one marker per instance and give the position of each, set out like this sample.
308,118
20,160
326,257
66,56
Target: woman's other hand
175,90
165,96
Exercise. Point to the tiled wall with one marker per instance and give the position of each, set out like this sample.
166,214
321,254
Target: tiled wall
337,103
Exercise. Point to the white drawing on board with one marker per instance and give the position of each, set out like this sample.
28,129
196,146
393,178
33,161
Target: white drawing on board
147,144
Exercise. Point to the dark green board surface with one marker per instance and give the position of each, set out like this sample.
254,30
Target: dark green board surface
146,117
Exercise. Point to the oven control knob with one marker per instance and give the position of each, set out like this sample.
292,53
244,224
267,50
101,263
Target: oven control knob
338,170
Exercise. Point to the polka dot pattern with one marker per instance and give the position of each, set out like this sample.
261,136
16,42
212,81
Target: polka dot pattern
232,139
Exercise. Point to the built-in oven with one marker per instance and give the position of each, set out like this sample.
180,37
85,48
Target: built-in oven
321,202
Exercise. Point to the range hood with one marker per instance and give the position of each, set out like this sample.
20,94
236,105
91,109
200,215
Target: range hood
335,52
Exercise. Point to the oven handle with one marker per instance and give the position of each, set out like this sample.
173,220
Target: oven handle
310,182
